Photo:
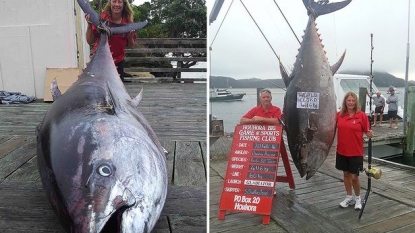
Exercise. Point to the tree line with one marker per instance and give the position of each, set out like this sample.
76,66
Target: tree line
168,18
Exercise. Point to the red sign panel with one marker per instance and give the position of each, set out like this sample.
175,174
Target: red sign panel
252,169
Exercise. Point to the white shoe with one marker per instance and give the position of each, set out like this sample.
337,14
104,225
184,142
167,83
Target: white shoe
348,201
358,204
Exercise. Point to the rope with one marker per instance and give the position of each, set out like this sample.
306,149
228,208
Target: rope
261,31
221,23
287,22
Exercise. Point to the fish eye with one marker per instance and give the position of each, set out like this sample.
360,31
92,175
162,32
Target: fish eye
104,170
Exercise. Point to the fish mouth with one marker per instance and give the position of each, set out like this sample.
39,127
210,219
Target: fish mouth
114,223
307,171
310,174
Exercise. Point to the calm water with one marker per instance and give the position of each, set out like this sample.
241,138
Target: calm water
231,112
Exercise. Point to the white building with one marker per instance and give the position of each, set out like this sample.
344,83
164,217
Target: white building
35,35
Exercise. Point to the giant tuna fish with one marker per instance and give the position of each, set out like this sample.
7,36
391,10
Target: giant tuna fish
309,103
101,165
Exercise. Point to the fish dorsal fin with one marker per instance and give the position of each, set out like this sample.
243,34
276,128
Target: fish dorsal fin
136,101
54,90
111,102
336,66
323,7
284,75
312,125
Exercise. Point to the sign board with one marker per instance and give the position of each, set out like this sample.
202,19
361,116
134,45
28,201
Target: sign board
252,169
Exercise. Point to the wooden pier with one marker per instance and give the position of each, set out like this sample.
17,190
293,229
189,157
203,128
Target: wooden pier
313,206
177,113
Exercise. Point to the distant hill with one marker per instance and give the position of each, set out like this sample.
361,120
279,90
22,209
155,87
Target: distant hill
381,79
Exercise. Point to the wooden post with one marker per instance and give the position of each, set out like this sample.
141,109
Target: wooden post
179,64
409,146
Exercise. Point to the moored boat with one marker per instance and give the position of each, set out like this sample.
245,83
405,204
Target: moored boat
347,82
224,95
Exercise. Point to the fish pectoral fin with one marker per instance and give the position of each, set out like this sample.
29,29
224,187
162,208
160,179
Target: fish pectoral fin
284,75
312,125
336,66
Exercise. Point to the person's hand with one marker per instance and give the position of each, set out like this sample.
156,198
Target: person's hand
131,35
88,20
369,134
256,119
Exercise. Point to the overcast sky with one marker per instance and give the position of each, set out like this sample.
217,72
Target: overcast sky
240,51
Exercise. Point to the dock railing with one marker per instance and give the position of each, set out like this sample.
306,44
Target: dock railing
166,58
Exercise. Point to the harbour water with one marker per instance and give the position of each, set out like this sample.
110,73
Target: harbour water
231,112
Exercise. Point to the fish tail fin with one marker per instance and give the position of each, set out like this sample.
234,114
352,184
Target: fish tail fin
87,9
128,27
96,20
323,7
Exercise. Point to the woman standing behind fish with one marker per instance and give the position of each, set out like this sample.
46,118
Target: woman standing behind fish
351,124
116,12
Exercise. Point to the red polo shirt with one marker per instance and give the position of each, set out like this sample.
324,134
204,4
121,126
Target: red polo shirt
350,131
272,112
117,42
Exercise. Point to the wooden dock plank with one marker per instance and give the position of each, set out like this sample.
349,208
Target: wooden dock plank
389,201
189,167
177,113
16,158
170,146
24,208
11,143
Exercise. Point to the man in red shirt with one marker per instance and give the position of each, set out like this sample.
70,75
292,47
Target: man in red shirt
266,113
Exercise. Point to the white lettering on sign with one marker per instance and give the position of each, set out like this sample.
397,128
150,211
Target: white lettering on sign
309,100
246,132
253,127
235,173
243,144
232,190
271,127
242,199
259,183
237,166
239,159
233,181
249,138
241,152
245,207
270,133
269,138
